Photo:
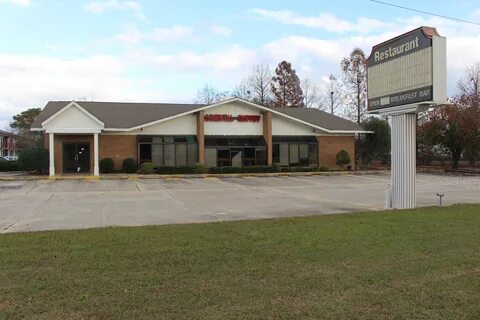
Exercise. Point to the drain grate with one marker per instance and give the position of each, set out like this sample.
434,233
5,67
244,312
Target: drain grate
10,187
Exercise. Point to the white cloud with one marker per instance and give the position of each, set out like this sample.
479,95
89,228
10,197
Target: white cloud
220,30
132,35
23,3
31,81
323,20
225,61
105,5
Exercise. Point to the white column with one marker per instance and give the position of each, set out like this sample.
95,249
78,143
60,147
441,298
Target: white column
95,154
403,160
51,146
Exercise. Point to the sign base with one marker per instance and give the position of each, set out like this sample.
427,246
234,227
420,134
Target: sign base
403,159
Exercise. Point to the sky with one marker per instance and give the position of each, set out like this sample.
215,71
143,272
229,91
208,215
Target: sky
164,51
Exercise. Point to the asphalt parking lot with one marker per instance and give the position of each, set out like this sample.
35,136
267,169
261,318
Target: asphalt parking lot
76,204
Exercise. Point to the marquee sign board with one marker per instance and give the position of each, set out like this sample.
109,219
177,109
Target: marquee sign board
409,69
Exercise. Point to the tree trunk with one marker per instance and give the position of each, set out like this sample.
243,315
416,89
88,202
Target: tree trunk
456,154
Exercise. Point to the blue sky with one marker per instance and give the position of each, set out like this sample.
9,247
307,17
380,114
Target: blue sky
138,50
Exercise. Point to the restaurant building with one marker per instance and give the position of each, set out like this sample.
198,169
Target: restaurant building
233,132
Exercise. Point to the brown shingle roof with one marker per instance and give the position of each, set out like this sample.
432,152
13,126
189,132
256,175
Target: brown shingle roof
124,115
119,115
320,118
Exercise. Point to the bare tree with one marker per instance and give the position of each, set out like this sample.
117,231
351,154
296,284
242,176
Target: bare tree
208,95
259,82
310,93
354,69
469,86
332,95
243,90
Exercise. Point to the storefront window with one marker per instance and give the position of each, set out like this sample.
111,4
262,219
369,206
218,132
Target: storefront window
169,155
157,154
284,154
261,157
181,154
192,154
294,154
168,151
210,157
295,151
249,156
312,154
223,158
303,155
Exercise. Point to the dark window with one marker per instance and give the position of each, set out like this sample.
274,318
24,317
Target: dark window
295,154
249,156
313,154
303,155
223,158
145,151
276,153
168,151
261,157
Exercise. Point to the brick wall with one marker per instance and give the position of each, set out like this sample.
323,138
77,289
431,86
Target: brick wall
329,146
118,148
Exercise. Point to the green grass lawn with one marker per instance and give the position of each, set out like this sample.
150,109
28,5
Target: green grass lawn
418,264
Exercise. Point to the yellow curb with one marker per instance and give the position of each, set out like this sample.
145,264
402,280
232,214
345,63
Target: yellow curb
92,178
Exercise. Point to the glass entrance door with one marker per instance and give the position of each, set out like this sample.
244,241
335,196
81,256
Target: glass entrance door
76,157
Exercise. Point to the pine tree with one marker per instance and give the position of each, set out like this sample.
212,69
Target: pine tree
286,87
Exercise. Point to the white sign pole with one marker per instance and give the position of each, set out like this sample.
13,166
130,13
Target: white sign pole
403,157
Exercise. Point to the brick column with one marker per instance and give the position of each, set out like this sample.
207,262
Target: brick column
318,151
267,135
201,136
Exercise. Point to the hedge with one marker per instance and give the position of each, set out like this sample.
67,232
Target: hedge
9,166
146,168
106,165
33,159
129,165
343,158
150,168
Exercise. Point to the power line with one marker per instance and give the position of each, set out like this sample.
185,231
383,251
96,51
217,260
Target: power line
425,12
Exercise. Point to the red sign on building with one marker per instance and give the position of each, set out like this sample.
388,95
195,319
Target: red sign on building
230,118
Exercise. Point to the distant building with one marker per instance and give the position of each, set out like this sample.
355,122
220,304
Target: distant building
8,144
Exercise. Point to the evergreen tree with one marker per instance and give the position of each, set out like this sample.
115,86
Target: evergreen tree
286,87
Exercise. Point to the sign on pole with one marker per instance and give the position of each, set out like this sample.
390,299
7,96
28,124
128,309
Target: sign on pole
406,75
407,70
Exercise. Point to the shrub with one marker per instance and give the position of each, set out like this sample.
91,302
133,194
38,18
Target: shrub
33,159
9,166
106,165
146,168
343,158
323,168
129,165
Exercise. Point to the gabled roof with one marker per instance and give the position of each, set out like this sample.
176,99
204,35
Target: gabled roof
129,116
119,115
